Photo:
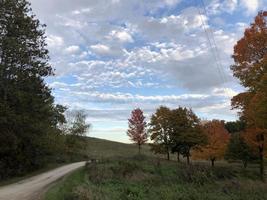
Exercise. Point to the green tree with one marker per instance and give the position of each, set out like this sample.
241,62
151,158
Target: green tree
237,149
160,131
176,130
28,115
186,133
235,126
77,131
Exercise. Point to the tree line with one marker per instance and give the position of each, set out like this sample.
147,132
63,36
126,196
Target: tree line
181,131
31,122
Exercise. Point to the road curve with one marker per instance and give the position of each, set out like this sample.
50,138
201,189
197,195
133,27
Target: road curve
31,188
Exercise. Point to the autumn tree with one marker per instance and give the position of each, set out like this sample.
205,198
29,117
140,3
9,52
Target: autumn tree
160,131
218,138
238,149
250,67
137,128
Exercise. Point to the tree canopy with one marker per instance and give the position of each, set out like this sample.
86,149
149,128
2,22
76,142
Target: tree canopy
28,114
250,67
218,138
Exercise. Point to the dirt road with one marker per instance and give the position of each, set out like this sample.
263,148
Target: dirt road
31,189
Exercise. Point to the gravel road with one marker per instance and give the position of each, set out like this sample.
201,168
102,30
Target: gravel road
31,188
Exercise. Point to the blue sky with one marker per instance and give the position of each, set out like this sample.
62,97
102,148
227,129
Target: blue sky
111,56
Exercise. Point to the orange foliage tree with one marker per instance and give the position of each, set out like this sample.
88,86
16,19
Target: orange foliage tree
137,128
218,138
250,67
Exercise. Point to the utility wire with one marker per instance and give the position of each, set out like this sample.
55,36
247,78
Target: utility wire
211,41
215,45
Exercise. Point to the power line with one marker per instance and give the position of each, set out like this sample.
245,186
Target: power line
211,42
214,42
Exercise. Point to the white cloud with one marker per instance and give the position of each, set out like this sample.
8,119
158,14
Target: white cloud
231,5
54,41
171,2
251,6
100,48
122,36
72,49
225,92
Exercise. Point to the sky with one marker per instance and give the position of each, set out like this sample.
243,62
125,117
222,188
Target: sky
111,56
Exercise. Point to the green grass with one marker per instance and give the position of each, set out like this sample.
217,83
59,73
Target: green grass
63,189
144,178
100,148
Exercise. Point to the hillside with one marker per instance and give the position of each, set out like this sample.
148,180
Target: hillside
100,148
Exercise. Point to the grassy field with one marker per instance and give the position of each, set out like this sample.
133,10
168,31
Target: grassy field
101,149
121,174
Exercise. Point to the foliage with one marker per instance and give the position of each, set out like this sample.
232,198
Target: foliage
218,138
137,125
235,126
160,132
28,116
176,130
186,132
76,132
237,149
250,56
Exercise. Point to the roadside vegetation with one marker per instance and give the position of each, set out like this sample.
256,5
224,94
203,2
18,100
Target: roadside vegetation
142,177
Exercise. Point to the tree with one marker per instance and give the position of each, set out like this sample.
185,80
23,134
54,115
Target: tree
237,149
79,127
186,133
28,115
176,130
77,130
235,126
137,128
250,67
159,129
218,138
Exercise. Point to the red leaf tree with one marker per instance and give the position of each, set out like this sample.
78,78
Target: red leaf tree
250,67
137,128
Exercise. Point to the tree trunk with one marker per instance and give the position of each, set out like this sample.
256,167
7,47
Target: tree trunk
188,159
178,156
168,155
245,163
212,162
139,148
261,161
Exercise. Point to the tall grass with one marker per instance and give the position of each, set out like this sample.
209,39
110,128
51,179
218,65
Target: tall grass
142,177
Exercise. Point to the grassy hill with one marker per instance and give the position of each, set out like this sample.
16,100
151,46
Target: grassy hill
122,174
100,148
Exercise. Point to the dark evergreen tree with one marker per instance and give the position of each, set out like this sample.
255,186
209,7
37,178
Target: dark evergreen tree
235,126
237,149
28,115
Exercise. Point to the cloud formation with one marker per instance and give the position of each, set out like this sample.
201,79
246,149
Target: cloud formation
112,56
